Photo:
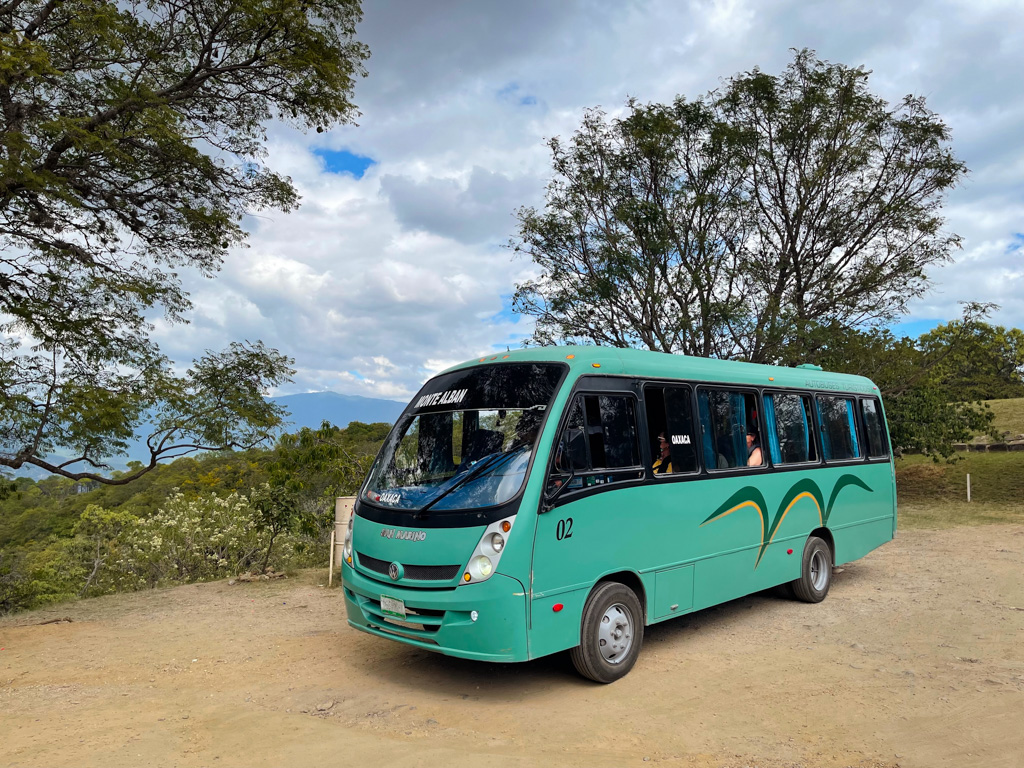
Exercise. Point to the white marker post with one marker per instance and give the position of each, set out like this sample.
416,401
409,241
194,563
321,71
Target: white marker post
968,487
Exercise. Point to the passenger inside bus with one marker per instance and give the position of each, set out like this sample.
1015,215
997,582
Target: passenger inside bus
663,464
754,456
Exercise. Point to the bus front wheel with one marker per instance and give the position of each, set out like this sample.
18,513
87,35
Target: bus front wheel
815,572
611,633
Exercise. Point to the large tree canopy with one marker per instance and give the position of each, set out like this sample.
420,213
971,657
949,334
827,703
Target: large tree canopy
131,145
743,223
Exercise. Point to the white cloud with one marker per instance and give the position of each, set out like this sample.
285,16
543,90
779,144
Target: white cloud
376,283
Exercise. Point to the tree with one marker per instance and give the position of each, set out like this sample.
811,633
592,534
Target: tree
976,360
739,225
309,468
131,141
101,529
640,240
275,512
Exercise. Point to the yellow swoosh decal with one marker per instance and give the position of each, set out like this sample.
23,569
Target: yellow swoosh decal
734,509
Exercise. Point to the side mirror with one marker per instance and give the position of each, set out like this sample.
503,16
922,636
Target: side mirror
551,494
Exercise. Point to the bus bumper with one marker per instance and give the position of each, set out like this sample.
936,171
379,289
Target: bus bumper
441,620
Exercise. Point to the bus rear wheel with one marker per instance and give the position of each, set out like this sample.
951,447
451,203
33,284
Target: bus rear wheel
815,572
611,633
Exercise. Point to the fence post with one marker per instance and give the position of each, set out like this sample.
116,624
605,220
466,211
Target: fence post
968,487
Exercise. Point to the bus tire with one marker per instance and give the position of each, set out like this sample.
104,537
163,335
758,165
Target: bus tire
815,572
611,633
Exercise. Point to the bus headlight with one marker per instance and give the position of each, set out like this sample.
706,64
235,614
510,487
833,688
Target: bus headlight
480,567
346,550
484,560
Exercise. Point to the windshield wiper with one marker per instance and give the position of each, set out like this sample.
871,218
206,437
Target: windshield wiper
488,463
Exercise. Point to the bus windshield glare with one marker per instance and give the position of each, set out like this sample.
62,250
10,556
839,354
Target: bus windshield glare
466,440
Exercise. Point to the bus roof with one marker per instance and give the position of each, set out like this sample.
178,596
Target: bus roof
638,362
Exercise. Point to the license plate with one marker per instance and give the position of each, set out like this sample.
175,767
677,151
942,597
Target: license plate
391,606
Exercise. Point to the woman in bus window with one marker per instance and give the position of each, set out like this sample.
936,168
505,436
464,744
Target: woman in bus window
754,456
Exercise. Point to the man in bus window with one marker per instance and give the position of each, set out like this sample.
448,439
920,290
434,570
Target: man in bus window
754,456
663,464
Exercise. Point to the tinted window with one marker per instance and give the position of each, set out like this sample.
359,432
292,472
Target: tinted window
788,421
670,416
466,439
516,386
611,431
838,428
875,432
599,443
725,418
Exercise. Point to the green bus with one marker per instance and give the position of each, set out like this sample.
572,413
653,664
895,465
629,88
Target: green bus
560,498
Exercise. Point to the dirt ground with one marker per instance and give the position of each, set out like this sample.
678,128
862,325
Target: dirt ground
915,659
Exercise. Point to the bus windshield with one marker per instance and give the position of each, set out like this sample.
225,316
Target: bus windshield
466,440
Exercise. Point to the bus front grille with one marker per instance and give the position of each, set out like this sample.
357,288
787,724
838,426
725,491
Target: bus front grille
412,572
419,623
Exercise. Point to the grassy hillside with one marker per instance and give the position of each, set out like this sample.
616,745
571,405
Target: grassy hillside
934,495
1009,415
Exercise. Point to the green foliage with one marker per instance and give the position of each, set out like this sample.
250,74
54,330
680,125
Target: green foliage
740,224
131,146
312,467
193,519
15,588
52,505
189,539
976,360
277,511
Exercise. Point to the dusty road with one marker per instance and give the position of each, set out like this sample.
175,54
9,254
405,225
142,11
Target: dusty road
915,659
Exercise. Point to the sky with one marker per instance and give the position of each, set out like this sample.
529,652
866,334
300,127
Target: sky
396,264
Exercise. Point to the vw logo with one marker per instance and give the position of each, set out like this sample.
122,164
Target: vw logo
395,571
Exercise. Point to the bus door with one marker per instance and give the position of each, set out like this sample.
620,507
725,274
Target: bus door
585,532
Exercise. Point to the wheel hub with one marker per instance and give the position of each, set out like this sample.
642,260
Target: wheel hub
819,570
615,637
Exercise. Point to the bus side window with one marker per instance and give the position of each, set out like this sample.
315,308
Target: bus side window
789,430
838,428
572,446
670,414
725,417
599,442
878,446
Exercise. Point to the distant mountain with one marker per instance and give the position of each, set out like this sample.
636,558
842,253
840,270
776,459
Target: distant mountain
305,410
309,410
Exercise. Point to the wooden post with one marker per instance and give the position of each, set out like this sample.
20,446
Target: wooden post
342,511
968,487
330,568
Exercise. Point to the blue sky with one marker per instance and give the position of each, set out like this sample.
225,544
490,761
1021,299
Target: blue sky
343,161
394,266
